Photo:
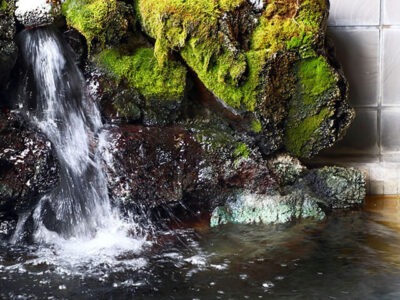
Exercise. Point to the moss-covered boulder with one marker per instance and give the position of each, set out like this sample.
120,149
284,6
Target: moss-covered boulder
100,22
156,94
270,63
133,82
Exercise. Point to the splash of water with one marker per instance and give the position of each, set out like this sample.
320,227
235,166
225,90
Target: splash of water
76,219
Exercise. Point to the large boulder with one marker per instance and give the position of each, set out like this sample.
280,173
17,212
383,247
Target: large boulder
169,166
207,169
269,63
28,168
8,48
266,63
251,208
134,87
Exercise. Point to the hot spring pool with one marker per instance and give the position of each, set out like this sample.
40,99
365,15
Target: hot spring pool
352,255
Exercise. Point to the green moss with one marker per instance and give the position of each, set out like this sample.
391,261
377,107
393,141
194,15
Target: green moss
214,138
141,70
90,17
316,78
242,150
309,107
299,136
256,126
214,72
3,5
191,27
289,25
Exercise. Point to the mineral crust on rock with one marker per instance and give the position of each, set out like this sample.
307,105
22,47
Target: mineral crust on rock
310,196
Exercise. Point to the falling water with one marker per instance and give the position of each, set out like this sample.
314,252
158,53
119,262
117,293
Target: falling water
77,215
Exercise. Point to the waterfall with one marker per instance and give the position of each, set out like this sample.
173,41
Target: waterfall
77,215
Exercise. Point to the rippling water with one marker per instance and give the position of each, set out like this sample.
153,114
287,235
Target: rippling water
352,255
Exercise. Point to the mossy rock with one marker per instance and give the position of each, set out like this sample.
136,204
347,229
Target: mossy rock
103,21
156,93
267,64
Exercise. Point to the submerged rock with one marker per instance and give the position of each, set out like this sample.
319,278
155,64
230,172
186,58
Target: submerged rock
311,195
28,168
8,48
250,208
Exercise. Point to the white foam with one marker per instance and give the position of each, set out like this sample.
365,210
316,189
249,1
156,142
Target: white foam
258,4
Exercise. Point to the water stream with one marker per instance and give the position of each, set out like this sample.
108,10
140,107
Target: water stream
76,219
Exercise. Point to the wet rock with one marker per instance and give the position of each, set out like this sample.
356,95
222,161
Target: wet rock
264,60
170,166
32,13
154,165
250,208
102,23
28,168
303,194
8,48
286,169
340,187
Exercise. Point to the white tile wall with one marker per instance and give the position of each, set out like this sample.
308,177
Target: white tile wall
391,66
354,12
367,37
390,131
366,121
359,47
391,15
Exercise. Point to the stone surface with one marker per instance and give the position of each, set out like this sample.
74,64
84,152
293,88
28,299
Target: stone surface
171,165
27,164
267,63
33,13
338,187
8,48
239,59
312,195
249,208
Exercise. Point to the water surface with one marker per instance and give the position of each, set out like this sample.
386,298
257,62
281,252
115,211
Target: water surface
351,255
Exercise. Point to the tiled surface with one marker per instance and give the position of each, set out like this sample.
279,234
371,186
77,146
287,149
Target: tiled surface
391,66
367,37
391,12
390,131
358,51
367,122
354,12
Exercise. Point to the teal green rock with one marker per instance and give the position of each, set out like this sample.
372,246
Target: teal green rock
249,208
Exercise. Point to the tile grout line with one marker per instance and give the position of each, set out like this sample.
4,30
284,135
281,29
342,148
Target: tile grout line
380,99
